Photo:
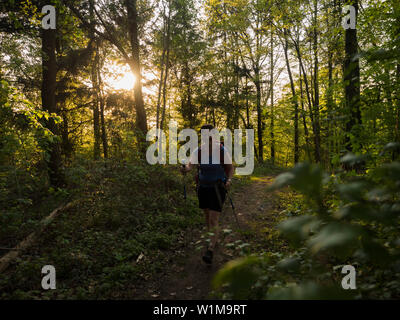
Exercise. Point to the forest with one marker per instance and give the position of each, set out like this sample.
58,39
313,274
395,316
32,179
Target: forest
82,83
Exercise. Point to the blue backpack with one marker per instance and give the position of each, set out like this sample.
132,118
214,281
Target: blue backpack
209,174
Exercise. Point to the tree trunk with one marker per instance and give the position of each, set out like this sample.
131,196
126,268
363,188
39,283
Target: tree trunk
352,85
259,119
398,102
237,106
141,118
331,24
66,145
272,100
295,102
316,88
8,258
102,120
162,73
396,10
303,115
167,48
49,69
247,105
310,104
96,112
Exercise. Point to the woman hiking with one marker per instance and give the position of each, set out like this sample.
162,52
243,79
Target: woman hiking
213,181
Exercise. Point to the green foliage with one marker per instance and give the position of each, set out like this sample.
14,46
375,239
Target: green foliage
308,291
358,225
239,275
116,236
23,142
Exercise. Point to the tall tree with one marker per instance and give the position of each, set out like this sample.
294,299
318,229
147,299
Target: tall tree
49,104
316,107
271,86
294,98
352,85
166,49
134,62
95,107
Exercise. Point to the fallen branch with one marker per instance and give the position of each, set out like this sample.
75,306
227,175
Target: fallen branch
6,260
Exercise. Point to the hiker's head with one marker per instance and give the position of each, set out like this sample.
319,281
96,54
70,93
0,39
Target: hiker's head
207,127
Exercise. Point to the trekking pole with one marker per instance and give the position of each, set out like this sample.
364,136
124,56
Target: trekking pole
232,205
184,182
233,209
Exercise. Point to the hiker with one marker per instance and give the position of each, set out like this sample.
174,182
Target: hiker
213,180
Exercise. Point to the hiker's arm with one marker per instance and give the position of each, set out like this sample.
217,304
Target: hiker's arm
229,175
230,171
190,165
187,167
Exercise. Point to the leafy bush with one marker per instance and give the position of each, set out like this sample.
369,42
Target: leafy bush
351,220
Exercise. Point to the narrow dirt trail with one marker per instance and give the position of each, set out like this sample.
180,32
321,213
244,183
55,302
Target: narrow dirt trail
187,277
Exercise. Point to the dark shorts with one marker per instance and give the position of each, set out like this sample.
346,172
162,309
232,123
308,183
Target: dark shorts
208,198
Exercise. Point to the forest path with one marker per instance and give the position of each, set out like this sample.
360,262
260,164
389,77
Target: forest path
187,276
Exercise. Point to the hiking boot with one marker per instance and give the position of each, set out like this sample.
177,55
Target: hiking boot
208,256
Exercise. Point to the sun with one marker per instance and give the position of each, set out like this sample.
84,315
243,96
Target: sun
120,78
124,82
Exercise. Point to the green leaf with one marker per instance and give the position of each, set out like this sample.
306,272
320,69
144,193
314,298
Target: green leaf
298,228
239,275
289,264
392,146
356,211
282,180
352,159
375,252
305,177
391,171
352,191
309,291
339,238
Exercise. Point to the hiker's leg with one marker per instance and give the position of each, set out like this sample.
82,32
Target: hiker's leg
207,218
214,228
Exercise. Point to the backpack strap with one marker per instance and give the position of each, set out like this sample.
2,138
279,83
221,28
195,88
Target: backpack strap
221,159
221,155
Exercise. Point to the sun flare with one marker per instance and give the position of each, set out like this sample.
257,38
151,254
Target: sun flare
125,82
121,78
